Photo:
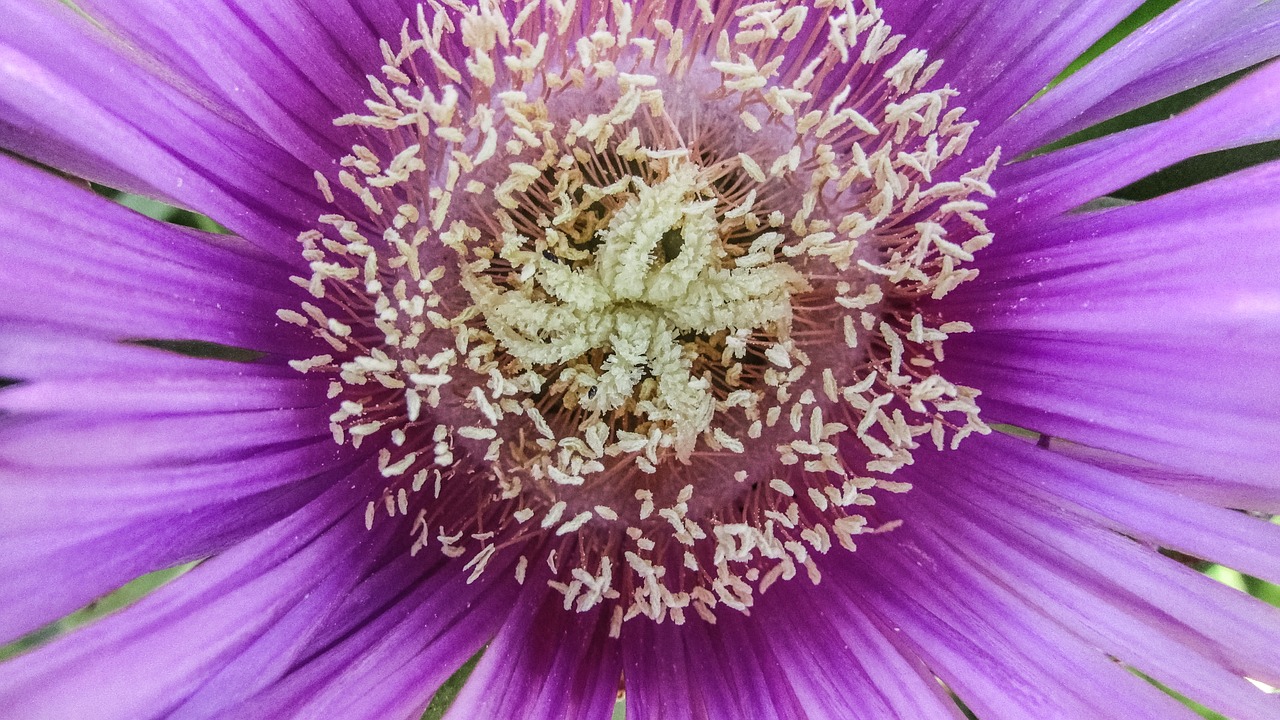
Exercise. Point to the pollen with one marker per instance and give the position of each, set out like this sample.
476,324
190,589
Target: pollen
638,294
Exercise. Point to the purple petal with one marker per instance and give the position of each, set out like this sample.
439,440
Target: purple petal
545,662
143,661
118,460
1247,495
1169,404
285,68
704,671
72,536
35,352
122,441
1000,54
1146,511
1241,633
71,98
976,633
1007,521
1174,52
992,650
1246,112
131,380
838,660
378,653
84,263
1140,330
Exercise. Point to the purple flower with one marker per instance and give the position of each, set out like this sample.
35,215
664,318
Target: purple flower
650,346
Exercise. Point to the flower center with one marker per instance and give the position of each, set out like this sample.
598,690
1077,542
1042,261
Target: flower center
639,295
629,314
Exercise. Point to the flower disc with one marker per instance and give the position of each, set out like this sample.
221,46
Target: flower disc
640,295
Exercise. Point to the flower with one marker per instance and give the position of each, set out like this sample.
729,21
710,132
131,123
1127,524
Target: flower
649,345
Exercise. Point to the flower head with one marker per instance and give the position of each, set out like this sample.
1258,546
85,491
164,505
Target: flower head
661,303
651,345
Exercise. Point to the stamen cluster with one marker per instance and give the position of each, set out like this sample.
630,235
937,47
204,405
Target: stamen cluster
639,295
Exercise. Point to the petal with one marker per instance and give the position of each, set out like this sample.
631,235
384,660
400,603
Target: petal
71,98
1010,515
839,661
1240,632
1174,52
143,661
1152,514
72,536
1139,331
84,263
118,460
120,379
378,653
102,442
998,55
990,649
286,69
703,671
545,662
981,636
1170,409
1246,112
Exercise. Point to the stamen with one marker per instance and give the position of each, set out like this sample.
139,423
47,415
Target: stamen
651,316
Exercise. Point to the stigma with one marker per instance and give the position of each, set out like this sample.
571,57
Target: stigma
644,296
